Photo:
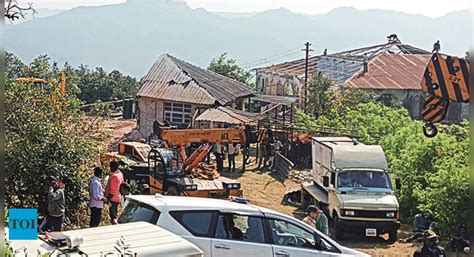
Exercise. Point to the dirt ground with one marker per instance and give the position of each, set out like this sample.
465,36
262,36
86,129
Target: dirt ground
266,191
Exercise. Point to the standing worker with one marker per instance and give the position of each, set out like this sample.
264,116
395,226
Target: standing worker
276,148
436,47
366,63
112,191
231,151
312,212
56,206
217,150
96,194
430,246
322,221
263,151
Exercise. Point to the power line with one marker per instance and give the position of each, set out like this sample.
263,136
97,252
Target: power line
270,58
263,61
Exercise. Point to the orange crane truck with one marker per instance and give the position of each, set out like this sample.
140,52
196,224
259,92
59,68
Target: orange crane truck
168,170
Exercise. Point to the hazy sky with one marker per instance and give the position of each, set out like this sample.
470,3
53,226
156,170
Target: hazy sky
429,8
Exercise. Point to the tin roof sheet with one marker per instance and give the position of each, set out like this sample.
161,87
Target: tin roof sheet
176,80
391,71
228,115
297,67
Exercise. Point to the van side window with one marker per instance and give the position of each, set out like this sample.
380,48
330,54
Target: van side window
240,227
135,211
198,223
333,178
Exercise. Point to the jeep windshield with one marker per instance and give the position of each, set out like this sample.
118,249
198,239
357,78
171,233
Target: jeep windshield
362,180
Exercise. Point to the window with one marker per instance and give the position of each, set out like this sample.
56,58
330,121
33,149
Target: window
135,211
240,227
198,223
288,234
177,113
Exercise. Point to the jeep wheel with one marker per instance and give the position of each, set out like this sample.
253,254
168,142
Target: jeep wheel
392,236
337,228
172,190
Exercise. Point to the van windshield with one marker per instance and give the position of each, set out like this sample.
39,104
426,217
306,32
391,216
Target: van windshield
363,179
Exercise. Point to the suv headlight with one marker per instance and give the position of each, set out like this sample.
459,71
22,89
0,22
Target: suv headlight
349,213
390,214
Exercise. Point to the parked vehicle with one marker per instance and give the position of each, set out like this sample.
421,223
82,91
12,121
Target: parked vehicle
223,228
161,170
353,181
134,239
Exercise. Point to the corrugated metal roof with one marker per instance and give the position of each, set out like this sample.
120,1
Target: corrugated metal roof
391,71
293,68
228,115
285,100
176,80
296,68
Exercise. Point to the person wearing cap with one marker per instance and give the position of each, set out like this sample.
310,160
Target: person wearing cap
312,212
56,206
430,246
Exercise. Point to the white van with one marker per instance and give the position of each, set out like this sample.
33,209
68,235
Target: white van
223,228
134,239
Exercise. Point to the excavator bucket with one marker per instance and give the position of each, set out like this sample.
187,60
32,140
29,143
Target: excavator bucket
445,80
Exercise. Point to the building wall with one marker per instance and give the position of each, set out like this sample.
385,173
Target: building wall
274,84
151,109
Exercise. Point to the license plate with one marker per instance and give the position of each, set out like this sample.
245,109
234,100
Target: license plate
370,232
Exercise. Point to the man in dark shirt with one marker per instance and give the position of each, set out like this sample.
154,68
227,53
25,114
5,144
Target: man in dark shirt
430,246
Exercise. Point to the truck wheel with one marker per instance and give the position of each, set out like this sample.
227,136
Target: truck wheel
338,229
172,190
392,236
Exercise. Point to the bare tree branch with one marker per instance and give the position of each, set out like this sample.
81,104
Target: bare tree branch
14,11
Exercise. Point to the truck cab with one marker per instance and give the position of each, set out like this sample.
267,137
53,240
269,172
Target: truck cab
353,181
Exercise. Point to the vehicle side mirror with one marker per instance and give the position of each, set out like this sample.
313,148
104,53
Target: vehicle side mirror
325,181
398,184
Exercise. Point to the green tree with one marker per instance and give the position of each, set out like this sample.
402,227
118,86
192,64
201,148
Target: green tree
320,98
44,137
229,68
87,85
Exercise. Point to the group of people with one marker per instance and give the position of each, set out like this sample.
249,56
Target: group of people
270,146
426,230
113,193
219,150
317,219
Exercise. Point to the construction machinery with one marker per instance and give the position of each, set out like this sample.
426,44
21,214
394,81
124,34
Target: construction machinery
41,82
162,166
445,80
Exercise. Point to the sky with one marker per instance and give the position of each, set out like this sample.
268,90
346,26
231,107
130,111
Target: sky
430,8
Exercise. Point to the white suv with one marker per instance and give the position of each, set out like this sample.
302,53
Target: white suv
228,229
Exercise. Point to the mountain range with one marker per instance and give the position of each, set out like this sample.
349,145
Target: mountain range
130,36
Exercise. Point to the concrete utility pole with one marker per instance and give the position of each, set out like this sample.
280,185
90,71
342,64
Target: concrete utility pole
307,44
